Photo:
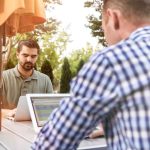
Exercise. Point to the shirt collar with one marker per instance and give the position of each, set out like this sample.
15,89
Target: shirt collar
142,32
17,74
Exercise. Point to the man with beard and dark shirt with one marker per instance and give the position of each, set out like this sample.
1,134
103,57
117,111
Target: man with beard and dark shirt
23,78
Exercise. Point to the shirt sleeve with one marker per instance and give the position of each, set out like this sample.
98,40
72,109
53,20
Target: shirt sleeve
92,97
49,86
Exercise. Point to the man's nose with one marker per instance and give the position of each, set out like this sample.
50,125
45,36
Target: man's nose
29,59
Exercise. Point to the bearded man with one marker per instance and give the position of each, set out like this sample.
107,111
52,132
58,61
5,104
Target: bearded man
23,78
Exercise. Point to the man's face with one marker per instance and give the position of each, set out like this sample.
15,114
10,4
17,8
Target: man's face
27,58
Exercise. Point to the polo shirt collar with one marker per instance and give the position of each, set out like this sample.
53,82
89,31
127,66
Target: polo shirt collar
17,74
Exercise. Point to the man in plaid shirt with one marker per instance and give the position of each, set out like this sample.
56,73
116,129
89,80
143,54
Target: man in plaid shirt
112,88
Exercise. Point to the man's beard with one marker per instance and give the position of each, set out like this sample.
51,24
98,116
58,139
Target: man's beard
27,66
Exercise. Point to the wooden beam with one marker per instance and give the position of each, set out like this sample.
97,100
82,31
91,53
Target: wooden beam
1,68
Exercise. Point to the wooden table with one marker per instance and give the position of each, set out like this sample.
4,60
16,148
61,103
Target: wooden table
20,135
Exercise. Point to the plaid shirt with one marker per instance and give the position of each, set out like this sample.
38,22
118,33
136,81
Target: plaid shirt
112,88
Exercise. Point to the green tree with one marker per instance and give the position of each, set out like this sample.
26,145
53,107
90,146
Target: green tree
77,55
95,21
65,77
47,69
9,64
80,65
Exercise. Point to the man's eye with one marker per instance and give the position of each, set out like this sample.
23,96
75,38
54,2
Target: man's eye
25,55
33,56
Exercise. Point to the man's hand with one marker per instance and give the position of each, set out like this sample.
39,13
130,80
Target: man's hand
8,112
12,113
98,132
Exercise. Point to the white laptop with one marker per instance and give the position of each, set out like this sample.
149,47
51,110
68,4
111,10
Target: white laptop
22,111
40,107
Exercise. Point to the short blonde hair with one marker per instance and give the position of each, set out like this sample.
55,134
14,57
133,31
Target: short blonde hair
133,10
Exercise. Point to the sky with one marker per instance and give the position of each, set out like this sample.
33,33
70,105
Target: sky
72,14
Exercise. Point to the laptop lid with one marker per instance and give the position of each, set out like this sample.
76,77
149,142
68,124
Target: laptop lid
41,106
22,110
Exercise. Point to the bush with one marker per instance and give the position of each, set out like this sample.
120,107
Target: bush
65,77
9,65
47,69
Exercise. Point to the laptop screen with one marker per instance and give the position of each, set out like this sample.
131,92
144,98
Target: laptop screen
41,106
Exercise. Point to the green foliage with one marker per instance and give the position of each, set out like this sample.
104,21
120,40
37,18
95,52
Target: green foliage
77,55
52,1
52,48
65,77
80,65
13,57
95,22
9,64
96,26
47,69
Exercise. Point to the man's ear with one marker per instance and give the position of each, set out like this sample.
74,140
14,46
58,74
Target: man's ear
115,20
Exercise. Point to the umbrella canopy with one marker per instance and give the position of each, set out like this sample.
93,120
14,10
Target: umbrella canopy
18,16
21,16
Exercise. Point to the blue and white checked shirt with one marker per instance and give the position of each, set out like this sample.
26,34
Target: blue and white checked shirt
112,88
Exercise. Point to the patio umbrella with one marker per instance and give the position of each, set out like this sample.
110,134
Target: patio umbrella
18,16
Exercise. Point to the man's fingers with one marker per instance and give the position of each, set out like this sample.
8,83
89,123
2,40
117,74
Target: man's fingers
96,133
12,113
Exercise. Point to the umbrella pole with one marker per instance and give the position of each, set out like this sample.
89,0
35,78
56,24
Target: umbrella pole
1,76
